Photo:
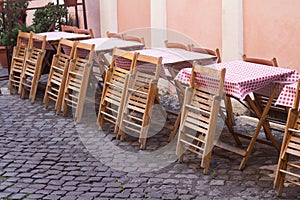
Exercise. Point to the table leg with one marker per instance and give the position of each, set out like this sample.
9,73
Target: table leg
229,119
262,122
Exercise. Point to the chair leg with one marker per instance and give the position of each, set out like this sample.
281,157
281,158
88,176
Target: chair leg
175,128
206,162
280,187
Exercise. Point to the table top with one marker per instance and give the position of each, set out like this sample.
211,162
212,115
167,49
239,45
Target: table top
57,35
107,44
287,95
170,57
173,55
243,78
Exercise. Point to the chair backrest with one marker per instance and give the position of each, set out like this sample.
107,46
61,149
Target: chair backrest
209,78
38,45
207,51
23,39
122,59
149,65
114,35
23,42
70,29
66,48
134,39
272,62
176,45
84,52
85,31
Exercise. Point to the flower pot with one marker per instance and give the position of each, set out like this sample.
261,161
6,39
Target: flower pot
70,2
3,58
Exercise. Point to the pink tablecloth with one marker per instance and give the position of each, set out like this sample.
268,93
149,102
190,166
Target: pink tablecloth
243,78
287,95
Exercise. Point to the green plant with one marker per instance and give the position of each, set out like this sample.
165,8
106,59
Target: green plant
49,18
13,19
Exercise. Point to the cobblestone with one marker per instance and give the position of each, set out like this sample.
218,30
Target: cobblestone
43,156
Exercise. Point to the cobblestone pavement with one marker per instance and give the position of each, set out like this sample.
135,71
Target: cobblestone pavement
46,156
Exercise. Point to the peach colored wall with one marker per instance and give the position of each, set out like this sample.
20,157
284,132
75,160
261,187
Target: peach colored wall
199,19
134,18
272,28
133,14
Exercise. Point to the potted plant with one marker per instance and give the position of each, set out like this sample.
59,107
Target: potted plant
9,26
49,18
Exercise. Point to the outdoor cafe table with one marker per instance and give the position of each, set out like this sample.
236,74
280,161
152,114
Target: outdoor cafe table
241,79
54,37
106,45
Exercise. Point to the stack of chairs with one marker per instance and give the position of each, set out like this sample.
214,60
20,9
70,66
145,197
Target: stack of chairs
288,167
33,66
140,97
199,116
77,80
58,73
115,86
202,50
17,61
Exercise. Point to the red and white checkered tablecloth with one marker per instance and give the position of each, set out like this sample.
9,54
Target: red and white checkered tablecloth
243,78
287,95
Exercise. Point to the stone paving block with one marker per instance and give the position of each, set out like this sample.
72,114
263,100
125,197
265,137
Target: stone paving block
52,197
4,195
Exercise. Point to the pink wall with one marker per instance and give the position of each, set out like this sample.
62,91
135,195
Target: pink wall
133,14
134,18
199,19
272,29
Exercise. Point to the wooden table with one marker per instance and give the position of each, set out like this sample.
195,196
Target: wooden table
54,37
106,45
242,78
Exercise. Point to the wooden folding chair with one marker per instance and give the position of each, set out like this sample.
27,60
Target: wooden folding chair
69,29
276,113
33,66
288,167
115,86
85,31
200,113
77,79
229,118
58,73
176,45
134,39
17,61
207,51
114,35
140,97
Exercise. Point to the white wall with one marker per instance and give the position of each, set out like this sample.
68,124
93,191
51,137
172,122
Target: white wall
232,29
